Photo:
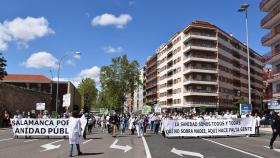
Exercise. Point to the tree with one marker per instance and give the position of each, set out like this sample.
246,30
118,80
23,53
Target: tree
117,80
3,65
241,100
88,91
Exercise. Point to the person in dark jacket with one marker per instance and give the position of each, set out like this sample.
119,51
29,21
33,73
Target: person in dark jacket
113,120
275,128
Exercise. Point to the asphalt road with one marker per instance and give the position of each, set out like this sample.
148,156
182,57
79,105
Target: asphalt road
102,145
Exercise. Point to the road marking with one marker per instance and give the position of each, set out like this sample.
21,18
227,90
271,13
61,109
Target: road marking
30,140
125,148
87,141
189,153
2,140
244,152
50,146
278,150
147,150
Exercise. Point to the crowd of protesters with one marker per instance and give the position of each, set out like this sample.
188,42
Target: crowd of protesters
114,123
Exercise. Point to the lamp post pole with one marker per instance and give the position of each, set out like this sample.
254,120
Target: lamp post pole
58,71
244,8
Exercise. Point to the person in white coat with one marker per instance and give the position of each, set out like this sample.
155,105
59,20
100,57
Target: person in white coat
74,128
258,124
131,124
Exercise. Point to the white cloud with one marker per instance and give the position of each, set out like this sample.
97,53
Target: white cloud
110,19
41,60
110,49
93,72
23,30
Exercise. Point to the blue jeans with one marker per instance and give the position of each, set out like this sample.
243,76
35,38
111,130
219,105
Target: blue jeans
71,148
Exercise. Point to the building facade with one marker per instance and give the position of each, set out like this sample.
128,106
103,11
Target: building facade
150,81
39,85
138,95
205,66
272,22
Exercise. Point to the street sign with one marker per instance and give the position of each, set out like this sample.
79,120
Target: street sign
66,100
245,108
273,105
146,109
157,108
40,106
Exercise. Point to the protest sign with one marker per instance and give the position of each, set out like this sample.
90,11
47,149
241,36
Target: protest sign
157,108
40,106
103,111
66,100
146,109
218,127
47,127
43,127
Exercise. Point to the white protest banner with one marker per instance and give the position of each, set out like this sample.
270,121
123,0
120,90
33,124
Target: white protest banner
213,127
66,100
42,127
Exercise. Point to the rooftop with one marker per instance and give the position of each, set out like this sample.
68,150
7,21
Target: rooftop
26,78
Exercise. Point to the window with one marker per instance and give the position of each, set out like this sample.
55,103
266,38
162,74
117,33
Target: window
277,67
278,88
208,77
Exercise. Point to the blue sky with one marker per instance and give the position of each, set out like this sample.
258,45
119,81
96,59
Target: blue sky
134,27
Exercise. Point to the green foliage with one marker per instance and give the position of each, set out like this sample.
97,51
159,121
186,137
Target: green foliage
241,100
117,80
87,89
2,67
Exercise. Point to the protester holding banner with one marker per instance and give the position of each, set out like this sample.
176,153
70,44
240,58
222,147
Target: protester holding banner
17,115
276,129
258,123
75,132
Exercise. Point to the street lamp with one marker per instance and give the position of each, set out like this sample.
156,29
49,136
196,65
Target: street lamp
58,70
244,8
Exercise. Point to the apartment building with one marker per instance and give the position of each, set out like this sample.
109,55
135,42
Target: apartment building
205,66
272,22
138,95
150,81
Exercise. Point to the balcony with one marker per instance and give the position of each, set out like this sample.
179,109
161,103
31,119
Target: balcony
274,76
200,103
272,37
267,96
199,35
271,57
200,46
271,18
199,92
207,70
196,81
276,94
203,58
266,5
